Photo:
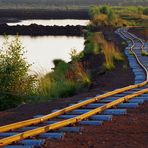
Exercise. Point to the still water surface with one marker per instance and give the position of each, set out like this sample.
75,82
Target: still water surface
62,22
42,50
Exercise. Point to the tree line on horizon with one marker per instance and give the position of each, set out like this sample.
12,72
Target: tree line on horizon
63,3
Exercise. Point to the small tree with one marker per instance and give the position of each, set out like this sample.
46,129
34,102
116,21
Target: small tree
14,78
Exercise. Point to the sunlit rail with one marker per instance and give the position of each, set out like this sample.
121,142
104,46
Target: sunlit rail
79,112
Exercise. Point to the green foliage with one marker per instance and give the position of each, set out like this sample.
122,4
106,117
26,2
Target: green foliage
105,9
124,43
14,78
59,71
94,11
96,44
91,45
145,11
65,80
131,53
108,66
111,16
107,17
75,56
57,61
144,53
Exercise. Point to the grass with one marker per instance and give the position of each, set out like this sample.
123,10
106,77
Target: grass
64,81
144,53
109,18
131,53
111,54
97,44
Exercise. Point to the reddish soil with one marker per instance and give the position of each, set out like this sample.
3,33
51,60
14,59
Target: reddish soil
128,131
140,32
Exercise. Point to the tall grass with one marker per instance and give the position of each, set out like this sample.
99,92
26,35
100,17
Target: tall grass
106,16
144,53
65,80
97,44
111,54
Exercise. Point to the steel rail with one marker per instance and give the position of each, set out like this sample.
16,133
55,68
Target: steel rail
139,62
142,46
51,127
35,121
37,131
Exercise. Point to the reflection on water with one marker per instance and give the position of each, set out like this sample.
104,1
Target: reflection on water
62,22
42,50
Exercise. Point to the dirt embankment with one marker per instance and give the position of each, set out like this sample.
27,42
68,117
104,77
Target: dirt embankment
39,30
140,32
13,15
128,131
16,15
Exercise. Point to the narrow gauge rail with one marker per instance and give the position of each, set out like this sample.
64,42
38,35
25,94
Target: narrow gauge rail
90,111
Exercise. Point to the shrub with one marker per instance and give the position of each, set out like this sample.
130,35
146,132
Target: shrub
144,53
96,44
14,78
92,43
94,11
75,56
65,80
111,16
145,11
56,62
105,9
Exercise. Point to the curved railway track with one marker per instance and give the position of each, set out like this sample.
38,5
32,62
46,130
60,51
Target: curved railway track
90,111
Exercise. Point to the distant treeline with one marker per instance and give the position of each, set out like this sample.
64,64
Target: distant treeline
67,3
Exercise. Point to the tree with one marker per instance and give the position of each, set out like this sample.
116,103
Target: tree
14,78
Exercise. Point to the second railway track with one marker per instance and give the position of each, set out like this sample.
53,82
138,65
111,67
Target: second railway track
90,111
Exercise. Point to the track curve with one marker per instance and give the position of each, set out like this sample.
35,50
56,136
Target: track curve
98,108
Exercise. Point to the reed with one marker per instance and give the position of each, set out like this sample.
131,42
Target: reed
65,80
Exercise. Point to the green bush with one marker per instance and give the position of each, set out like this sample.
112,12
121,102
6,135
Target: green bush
145,11
144,53
75,56
105,9
65,80
111,16
14,78
56,62
91,44
94,11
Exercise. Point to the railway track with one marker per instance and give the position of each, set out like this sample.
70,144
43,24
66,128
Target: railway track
90,111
